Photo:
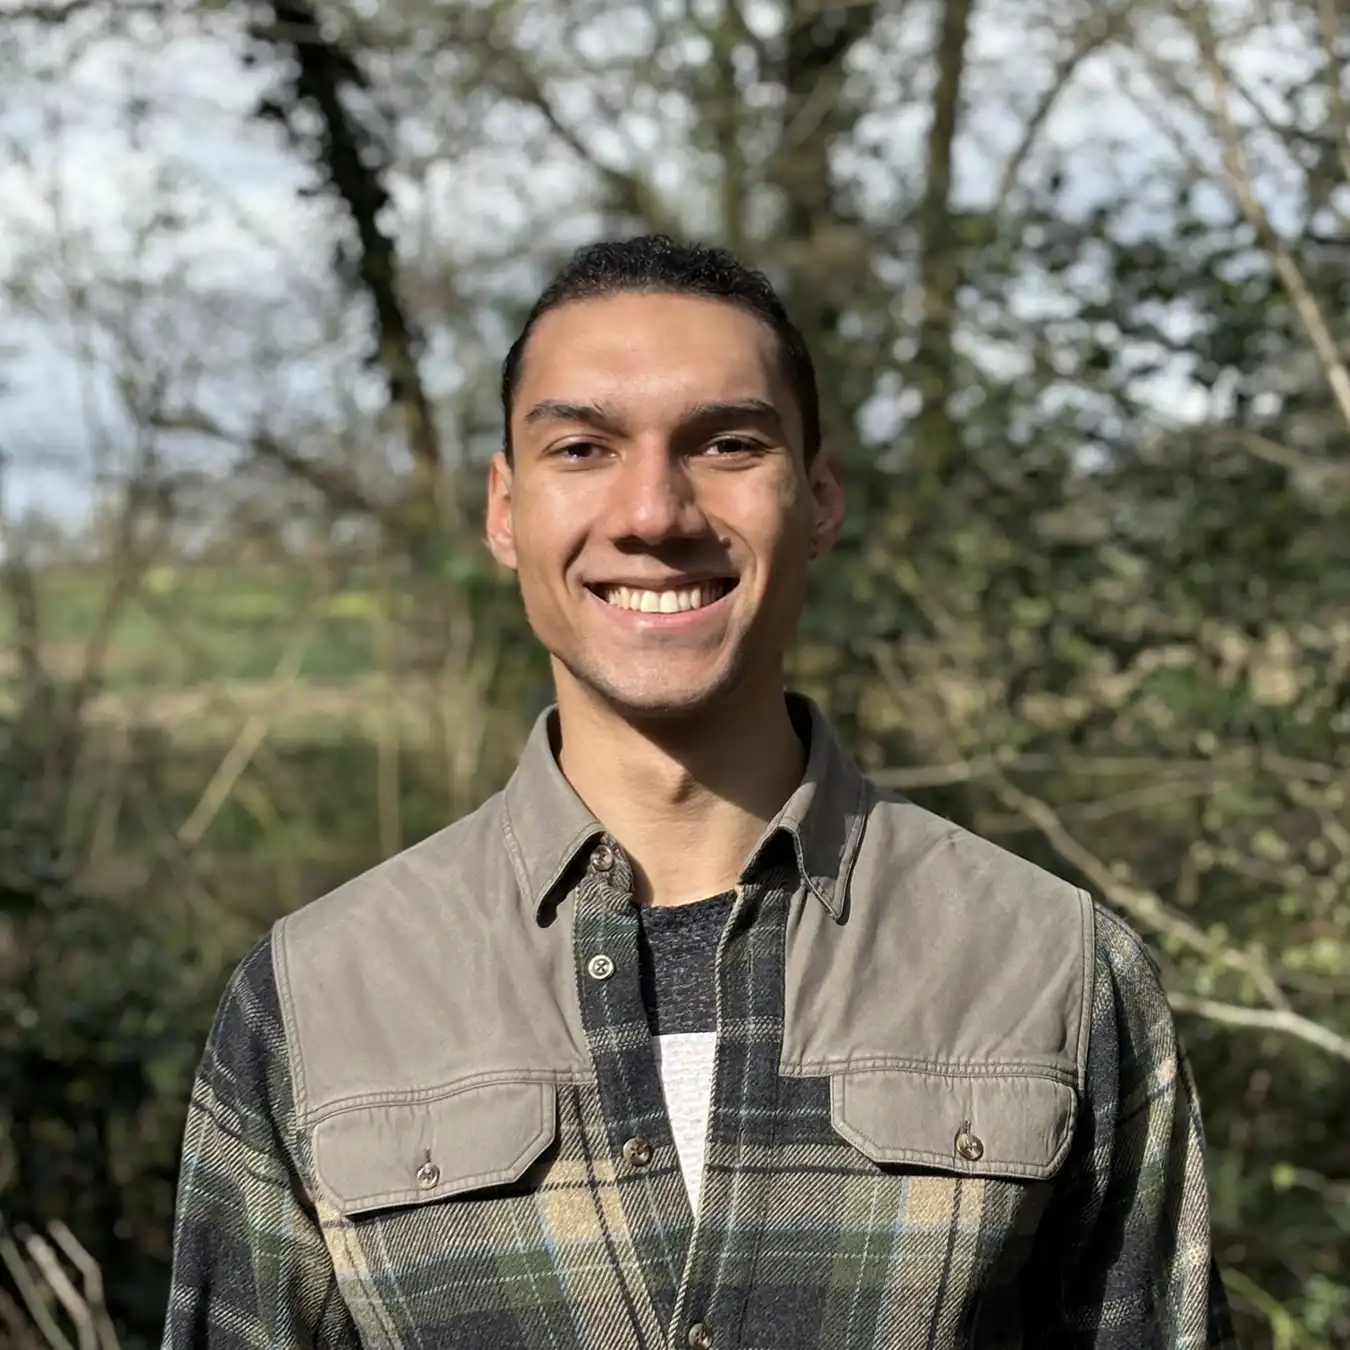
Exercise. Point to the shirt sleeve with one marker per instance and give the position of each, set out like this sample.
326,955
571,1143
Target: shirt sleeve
250,1267
1124,1260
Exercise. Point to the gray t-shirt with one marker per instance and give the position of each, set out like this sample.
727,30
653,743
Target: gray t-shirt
677,951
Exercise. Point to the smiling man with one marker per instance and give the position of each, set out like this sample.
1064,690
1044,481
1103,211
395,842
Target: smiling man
691,1036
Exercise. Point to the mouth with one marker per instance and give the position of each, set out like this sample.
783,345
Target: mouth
664,599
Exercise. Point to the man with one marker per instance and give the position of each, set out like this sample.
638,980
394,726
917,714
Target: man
690,1037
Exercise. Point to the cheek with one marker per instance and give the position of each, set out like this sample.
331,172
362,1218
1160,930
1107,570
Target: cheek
783,548
782,538
544,608
547,539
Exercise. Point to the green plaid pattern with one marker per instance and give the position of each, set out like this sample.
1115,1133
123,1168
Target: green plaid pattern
800,1242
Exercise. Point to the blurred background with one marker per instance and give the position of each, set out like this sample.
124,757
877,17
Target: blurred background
1076,277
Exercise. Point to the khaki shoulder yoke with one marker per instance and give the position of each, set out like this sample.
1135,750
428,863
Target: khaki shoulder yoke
432,1010
426,975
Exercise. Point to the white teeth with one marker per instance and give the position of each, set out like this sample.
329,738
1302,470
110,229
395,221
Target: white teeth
660,602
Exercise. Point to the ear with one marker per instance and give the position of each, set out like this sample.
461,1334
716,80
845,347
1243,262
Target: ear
499,526
827,500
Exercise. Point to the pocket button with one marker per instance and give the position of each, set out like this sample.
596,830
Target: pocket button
969,1146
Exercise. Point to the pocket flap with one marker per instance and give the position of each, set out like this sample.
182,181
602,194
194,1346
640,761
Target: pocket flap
408,1153
1009,1126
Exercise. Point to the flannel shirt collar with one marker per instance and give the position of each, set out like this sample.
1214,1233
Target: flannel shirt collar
547,826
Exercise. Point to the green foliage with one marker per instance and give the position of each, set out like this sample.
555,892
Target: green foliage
1090,599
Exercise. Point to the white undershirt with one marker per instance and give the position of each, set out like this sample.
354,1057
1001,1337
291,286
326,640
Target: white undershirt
685,1062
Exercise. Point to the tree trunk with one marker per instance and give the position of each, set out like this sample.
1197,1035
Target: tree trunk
937,448
354,165
822,254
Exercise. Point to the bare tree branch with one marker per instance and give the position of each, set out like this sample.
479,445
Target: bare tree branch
169,856
1280,1020
129,556
1315,476
93,1282
18,583
725,110
86,1309
819,241
1099,30
1286,266
20,1330
66,1293
628,190
338,488
240,754
1116,884
33,1302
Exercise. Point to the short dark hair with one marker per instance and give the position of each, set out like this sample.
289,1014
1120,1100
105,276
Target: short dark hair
658,264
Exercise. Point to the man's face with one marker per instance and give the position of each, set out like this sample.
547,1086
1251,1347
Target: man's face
658,510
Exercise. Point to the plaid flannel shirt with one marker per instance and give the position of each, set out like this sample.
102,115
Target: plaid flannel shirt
801,1240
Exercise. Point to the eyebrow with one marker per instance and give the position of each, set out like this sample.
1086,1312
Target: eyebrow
735,410
559,410
600,415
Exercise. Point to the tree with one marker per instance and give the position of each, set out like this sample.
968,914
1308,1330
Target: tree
1073,278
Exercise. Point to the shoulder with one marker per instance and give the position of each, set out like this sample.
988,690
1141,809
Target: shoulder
457,865
422,972
1133,1031
247,1023
895,825
1122,957
244,1067
1011,911
416,910
991,957
987,893
1008,924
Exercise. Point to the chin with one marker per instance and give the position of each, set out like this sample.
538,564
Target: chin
665,705
654,698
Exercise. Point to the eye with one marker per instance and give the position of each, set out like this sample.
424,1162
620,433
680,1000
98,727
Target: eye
724,447
576,452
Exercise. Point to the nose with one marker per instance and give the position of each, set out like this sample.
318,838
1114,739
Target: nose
654,498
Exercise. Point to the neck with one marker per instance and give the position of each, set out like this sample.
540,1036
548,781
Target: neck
686,799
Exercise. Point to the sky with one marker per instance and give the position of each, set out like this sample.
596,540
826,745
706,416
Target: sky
82,183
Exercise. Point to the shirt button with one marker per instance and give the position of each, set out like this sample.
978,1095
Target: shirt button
969,1146
700,1336
637,1152
428,1175
603,859
600,967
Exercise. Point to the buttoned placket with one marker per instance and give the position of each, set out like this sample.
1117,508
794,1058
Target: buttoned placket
641,1143
742,1122
681,1260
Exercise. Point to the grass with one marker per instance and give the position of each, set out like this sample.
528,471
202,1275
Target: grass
191,627
191,684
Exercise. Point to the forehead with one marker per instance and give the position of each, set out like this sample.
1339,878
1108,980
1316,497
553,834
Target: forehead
653,352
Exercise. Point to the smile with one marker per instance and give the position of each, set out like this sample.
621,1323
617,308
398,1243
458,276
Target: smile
667,600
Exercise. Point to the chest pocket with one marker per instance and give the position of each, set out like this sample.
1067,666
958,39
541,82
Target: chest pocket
395,1154
1014,1126
431,1210
955,1173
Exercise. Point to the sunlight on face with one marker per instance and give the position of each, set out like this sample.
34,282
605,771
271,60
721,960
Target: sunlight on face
659,513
